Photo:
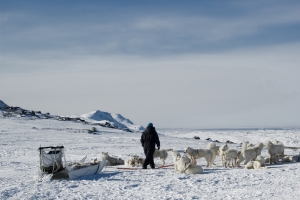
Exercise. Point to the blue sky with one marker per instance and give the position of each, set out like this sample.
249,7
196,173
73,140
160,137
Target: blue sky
178,64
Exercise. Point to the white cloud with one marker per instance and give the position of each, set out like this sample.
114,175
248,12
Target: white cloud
173,69
197,90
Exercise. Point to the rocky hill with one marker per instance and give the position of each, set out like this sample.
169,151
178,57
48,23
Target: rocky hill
95,118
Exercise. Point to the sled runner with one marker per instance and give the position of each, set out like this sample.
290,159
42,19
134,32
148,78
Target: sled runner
293,148
135,168
53,164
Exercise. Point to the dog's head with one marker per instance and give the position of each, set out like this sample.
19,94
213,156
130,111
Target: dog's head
268,144
93,160
187,150
105,153
250,145
260,159
260,145
278,142
134,157
175,154
185,159
224,147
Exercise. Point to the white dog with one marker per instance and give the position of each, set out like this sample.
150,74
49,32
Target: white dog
280,151
221,151
199,153
176,156
230,155
222,148
185,166
194,169
214,148
250,153
134,160
111,160
291,158
162,154
259,163
274,151
240,158
258,148
254,165
261,159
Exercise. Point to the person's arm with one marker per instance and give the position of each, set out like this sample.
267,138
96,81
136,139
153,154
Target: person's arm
157,141
142,140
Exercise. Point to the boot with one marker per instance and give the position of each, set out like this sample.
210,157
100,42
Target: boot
152,165
146,162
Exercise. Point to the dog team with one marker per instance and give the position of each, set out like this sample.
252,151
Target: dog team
249,155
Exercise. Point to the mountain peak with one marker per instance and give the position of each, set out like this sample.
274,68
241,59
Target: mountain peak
116,119
2,104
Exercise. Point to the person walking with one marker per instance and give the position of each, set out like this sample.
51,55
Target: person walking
148,139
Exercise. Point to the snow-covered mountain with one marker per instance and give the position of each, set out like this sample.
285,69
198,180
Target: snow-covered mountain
2,104
98,117
112,118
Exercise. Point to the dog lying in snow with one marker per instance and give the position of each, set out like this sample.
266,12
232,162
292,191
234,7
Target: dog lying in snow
162,154
111,161
214,148
291,158
259,163
275,150
134,161
254,165
199,153
184,165
261,159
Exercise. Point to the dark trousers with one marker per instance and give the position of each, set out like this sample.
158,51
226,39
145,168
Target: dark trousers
149,158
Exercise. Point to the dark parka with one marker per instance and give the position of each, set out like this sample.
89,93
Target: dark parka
148,139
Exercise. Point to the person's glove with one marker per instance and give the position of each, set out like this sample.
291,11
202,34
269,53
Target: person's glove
158,147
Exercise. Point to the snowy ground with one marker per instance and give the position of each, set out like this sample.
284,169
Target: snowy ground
20,139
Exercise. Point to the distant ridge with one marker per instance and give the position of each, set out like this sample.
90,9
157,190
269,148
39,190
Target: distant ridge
94,118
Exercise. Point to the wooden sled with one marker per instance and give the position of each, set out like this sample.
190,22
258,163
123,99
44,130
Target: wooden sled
53,164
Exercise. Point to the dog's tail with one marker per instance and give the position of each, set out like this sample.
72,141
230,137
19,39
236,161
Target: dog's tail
269,144
244,145
211,145
278,142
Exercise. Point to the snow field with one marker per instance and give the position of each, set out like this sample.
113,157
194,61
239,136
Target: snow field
20,139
